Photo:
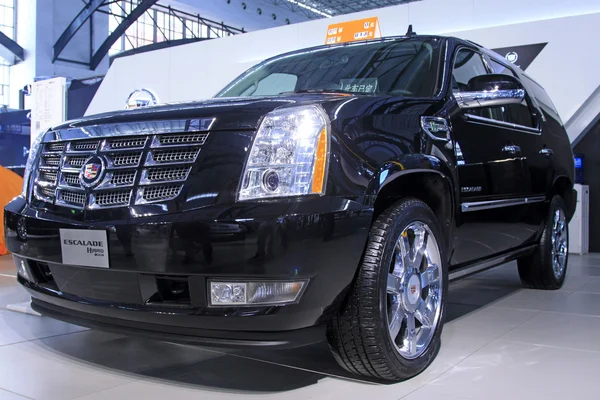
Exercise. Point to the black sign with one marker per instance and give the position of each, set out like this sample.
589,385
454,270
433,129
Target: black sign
521,56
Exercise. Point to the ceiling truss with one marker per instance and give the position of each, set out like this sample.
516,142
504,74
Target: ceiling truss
314,9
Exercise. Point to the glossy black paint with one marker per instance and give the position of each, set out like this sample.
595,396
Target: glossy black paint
378,153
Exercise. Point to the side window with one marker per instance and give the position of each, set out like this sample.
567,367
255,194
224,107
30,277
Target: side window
498,68
542,97
519,114
467,65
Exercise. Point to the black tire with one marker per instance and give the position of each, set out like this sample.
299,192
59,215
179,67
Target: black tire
536,270
358,334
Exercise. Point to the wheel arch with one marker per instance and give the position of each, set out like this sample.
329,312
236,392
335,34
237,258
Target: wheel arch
563,187
426,179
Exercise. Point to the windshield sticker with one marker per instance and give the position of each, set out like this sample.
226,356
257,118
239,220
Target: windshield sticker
366,85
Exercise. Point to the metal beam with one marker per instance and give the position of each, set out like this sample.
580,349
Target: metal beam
136,13
86,13
10,50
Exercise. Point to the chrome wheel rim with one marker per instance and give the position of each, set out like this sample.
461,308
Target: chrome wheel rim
560,243
414,290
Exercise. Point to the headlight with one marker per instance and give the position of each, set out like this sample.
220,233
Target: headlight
289,155
33,151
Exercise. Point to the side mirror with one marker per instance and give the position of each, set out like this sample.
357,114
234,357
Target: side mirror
490,90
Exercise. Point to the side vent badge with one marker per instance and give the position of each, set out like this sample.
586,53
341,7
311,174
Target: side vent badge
436,128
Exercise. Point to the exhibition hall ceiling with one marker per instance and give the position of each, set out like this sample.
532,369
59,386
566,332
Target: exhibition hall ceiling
330,8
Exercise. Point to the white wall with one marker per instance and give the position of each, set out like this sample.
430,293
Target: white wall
567,67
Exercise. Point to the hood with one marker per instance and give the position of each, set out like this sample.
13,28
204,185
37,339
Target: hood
241,113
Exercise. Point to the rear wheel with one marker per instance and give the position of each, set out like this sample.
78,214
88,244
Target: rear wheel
391,324
546,268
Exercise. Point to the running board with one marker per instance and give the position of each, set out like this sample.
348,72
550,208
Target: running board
471,269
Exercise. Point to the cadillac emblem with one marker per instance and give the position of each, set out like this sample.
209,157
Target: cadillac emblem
92,171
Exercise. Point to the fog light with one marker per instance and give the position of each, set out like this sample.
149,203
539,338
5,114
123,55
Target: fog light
22,268
255,293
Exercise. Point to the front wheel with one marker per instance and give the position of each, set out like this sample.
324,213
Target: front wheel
390,326
546,268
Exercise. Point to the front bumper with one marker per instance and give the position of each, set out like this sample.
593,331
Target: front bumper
320,240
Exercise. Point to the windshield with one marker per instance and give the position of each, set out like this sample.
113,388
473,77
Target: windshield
401,67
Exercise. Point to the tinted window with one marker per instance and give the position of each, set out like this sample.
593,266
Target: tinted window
402,67
498,68
467,65
542,97
519,114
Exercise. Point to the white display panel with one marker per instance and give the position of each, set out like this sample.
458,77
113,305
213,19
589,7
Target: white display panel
49,104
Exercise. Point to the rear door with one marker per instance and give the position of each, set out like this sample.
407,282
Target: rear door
492,171
527,119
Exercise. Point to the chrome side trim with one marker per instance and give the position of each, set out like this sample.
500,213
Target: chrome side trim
487,264
486,205
489,98
501,124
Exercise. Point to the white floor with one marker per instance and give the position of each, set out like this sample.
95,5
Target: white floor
502,342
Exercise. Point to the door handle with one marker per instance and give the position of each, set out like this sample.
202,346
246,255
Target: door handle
546,151
511,149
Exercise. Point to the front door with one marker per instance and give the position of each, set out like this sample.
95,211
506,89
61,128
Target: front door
494,177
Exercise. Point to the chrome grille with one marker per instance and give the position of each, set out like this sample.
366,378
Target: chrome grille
48,176
122,178
72,197
162,161
71,178
167,174
75,161
47,192
50,161
60,146
128,143
156,193
174,156
84,145
112,199
126,160
194,138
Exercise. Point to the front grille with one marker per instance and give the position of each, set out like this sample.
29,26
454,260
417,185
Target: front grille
112,199
168,174
48,176
50,161
126,160
75,161
155,193
71,178
122,178
47,192
162,161
84,145
132,143
56,146
195,138
71,197
174,156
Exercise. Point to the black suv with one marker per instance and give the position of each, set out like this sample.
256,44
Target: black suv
329,192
